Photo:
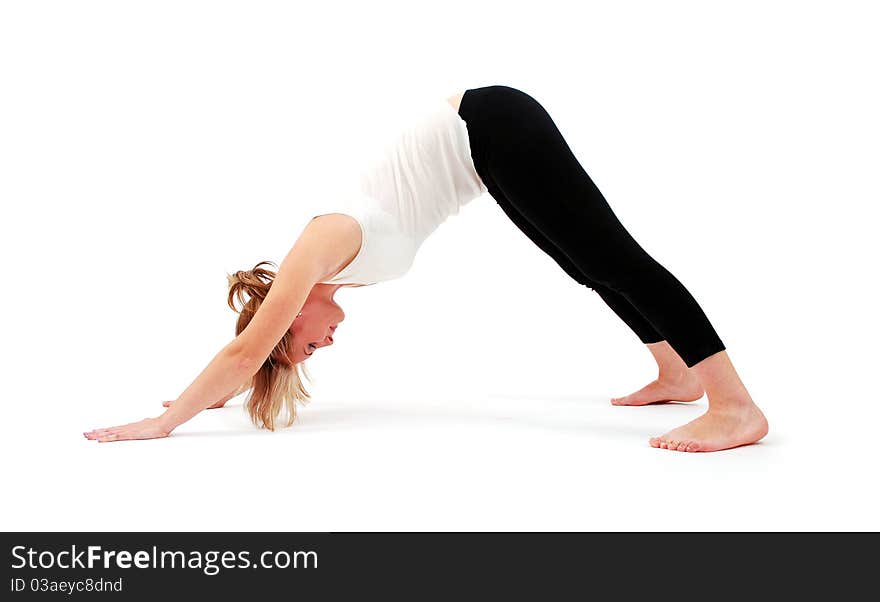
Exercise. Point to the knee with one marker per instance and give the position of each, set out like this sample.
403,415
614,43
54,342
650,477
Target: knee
630,276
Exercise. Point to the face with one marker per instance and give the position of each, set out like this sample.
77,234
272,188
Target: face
315,327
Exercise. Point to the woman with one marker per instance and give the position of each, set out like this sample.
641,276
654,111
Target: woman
494,139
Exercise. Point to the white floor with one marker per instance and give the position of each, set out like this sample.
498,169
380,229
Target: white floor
566,461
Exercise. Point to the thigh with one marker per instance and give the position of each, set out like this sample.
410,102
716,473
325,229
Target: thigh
533,167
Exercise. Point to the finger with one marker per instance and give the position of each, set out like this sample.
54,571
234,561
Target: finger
116,430
108,437
120,436
98,432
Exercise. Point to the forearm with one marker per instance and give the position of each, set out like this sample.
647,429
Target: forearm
244,387
228,396
227,372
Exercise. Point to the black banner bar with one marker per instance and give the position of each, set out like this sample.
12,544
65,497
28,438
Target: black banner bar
135,565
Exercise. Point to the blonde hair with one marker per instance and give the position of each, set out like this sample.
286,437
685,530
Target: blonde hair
277,386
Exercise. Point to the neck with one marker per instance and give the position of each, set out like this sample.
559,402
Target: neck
325,291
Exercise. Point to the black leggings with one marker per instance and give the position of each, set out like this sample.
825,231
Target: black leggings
531,172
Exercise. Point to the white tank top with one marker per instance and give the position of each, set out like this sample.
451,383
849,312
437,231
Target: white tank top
407,187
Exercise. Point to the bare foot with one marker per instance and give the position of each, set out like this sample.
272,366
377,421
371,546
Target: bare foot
214,406
687,388
716,430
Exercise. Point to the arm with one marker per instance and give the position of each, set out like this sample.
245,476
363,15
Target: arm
306,264
218,404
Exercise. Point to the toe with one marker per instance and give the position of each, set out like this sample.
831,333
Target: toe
663,444
654,441
682,446
672,444
693,446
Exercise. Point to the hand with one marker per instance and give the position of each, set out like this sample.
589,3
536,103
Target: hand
214,406
149,428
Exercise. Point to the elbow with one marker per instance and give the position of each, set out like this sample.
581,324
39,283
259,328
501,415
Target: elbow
247,364
244,359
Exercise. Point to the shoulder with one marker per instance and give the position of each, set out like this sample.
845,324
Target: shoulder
334,221
332,240
340,228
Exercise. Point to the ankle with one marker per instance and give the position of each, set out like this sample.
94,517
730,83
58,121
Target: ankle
730,404
675,376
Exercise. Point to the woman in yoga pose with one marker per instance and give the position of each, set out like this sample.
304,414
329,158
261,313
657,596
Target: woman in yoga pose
494,139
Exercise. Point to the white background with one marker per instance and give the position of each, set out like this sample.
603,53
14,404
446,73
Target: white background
147,149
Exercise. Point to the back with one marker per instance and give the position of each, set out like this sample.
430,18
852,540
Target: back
408,184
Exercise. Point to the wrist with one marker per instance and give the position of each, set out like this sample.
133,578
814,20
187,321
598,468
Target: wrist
167,421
